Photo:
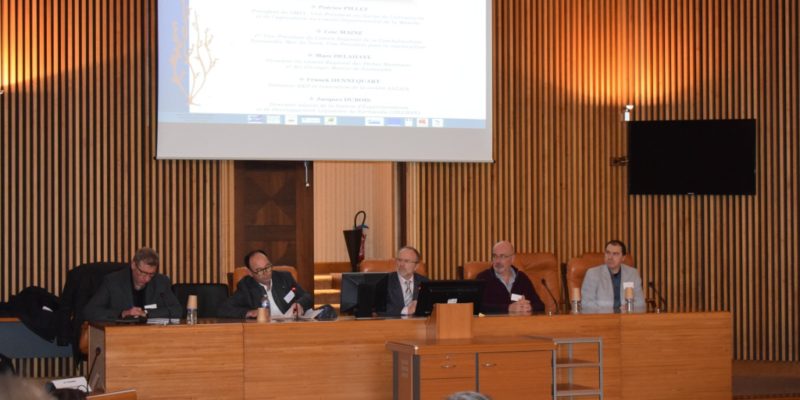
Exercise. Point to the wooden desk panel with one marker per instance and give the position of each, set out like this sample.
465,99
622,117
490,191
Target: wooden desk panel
664,356
342,359
502,367
511,375
175,362
677,356
591,325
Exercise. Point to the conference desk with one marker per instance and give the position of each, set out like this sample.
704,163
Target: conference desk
645,356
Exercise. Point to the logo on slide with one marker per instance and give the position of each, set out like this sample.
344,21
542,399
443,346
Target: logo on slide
291,119
422,122
437,122
373,121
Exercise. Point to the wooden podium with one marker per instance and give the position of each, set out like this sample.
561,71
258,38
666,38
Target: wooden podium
450,321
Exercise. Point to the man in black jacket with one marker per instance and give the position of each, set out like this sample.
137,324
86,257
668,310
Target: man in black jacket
286,297
135,292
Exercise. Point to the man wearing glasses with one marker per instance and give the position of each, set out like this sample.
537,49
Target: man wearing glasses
138,292
507,289
286,297
403,287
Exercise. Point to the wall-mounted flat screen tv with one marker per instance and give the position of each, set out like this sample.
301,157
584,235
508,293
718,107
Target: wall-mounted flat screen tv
714,157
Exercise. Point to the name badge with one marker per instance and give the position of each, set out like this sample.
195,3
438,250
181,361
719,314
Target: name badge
151,306
289,296
516,297
626,285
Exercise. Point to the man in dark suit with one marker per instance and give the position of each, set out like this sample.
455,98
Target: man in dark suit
135,292
403,286
286,297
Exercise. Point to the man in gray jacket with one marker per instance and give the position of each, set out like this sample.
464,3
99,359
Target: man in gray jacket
603,286
135,292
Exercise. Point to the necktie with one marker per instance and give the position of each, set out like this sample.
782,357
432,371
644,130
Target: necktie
408,294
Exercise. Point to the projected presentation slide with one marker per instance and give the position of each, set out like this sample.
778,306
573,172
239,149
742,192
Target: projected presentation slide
394,66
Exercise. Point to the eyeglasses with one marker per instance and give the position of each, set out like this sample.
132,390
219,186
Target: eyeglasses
501,256
147,274
405,261
263,271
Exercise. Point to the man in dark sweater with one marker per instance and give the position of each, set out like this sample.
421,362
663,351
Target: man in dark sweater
507,290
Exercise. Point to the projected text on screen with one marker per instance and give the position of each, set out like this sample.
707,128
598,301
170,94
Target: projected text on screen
367,72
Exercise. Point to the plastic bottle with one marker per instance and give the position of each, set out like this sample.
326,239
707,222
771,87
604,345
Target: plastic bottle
264,305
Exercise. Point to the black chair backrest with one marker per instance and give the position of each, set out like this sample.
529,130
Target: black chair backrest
209,297
81,284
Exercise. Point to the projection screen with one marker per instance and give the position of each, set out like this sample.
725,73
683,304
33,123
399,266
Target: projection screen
393,80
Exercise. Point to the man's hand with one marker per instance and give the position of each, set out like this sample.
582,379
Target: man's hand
521,305
412,307
298,309
252,314
133,312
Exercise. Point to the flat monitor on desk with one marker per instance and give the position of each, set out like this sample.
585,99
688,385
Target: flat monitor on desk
457,291
363,293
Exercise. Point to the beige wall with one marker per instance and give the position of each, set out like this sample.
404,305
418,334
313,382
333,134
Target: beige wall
341,189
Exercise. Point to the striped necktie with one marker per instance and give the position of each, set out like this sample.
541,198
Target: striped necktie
408,294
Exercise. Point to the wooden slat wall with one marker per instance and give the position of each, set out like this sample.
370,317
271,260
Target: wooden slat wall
563,71
79,178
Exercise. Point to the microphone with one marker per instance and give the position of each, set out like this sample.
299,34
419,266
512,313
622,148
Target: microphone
93,381
662,306
544,282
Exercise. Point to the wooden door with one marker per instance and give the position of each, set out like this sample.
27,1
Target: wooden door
275,212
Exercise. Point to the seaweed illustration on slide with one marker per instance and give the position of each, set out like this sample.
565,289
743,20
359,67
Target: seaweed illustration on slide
194,58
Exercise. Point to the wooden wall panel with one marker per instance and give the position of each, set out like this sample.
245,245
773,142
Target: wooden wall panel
79,178
563,72
341,189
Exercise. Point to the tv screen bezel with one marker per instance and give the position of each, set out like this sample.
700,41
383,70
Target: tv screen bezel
732,141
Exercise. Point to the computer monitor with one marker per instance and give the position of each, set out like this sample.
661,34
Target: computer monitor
363,293
459,291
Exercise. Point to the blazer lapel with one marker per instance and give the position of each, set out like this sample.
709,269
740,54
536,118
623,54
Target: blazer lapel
127,290
417,284
279,286
395,288
608,286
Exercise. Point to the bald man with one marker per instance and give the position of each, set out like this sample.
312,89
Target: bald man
507,289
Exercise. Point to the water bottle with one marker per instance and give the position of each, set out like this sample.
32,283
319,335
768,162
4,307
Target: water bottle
265,301
263,312
191,310
191,316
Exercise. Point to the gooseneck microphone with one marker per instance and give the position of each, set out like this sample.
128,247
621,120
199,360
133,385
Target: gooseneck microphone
89,377
662,306
544,282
